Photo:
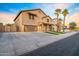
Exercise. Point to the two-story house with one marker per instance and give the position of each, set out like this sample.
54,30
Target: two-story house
34,20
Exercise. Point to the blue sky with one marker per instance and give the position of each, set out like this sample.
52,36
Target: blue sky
8,7
48,8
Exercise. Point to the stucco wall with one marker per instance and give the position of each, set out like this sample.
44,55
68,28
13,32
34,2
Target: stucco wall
38,18
18,23
13,28
7,28
1,27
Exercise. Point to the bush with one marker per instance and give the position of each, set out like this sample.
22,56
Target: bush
55,33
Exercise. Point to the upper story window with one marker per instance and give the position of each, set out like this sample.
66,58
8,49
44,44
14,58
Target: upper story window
32,16
47,20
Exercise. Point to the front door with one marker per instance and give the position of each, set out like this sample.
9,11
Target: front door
45,28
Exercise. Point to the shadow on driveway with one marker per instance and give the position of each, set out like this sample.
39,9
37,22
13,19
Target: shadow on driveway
65,47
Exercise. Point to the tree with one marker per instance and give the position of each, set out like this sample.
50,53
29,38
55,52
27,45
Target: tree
72,25
65,13
57,13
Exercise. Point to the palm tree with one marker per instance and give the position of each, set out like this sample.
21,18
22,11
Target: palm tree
57,13
65,13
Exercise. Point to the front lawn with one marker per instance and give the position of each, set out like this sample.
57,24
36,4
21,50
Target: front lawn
76,29
55,33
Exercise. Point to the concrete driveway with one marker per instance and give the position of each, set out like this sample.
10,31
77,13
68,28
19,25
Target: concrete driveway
18,43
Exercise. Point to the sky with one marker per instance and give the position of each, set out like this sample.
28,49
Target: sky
8,11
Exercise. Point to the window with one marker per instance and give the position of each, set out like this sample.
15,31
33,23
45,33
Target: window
32,16
47,20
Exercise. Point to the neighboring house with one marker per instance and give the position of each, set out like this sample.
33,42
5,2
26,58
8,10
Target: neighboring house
7,28
1,27
55,24
10,28
13,28
60,27
34,20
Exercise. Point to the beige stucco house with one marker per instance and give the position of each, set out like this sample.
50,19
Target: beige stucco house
34,20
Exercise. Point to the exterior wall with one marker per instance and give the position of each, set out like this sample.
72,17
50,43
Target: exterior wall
45,20
49,22
40,28
27,21
54,25
13,28
46,28
1,27
18,23
36,21
7,28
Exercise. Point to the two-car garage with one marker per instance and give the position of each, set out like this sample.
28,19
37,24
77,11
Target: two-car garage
30,28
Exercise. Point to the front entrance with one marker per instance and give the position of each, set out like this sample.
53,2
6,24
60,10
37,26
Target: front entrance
50,27
47,27
30,28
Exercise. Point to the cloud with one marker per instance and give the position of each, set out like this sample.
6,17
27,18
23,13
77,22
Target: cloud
58,5
62,5
75,18
6,18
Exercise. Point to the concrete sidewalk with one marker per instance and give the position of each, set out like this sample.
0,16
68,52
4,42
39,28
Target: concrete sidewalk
17,43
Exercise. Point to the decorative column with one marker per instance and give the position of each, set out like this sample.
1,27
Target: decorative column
47,28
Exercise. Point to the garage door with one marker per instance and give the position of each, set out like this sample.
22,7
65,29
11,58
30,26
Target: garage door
30,28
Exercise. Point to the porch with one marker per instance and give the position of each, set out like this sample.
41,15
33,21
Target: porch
44,27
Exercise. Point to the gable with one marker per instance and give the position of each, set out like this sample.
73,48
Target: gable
47,19
37,11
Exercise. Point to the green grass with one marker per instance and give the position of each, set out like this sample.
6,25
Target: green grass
55,33
76,29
